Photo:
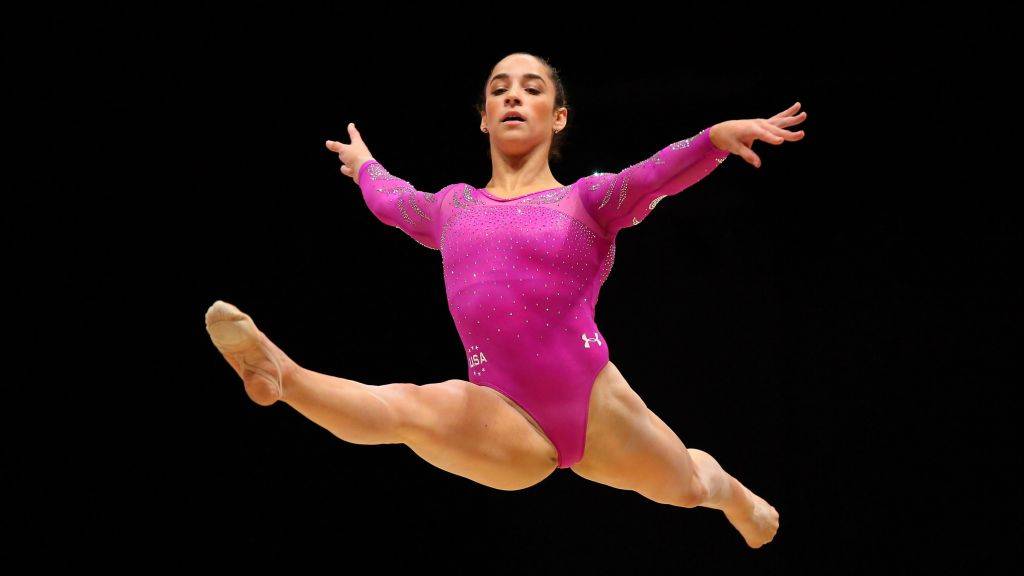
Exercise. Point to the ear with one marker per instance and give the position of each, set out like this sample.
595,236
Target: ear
561,118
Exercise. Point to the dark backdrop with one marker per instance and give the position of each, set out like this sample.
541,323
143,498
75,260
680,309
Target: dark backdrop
831,326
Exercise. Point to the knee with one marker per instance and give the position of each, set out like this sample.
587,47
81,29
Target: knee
693,494
402,405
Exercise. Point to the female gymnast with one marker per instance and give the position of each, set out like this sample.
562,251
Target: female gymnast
524,259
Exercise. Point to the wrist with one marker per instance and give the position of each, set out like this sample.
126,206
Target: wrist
714,135
359,169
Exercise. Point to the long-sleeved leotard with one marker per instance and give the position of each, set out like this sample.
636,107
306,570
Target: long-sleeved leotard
523,275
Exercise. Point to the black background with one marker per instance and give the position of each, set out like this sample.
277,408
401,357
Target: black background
833,327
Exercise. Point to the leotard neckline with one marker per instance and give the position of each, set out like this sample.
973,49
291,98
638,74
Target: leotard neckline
500,199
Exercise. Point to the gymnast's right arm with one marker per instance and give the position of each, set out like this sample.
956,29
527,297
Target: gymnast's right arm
397,203
392,200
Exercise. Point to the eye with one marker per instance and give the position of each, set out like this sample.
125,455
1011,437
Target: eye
534,91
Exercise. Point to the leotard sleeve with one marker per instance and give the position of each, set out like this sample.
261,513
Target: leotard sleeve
616,201
398,203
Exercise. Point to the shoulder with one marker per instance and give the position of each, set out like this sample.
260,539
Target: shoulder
594,181
454,188
598,176
454,191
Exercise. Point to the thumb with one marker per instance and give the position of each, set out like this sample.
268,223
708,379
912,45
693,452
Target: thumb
748,154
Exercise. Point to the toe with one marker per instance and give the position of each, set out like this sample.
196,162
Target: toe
226,334
221,311
230,329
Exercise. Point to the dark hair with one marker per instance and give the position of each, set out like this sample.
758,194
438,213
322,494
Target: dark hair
561,100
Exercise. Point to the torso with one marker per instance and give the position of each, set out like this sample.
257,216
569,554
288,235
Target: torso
522,279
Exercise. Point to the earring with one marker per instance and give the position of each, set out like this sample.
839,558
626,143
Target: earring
484,130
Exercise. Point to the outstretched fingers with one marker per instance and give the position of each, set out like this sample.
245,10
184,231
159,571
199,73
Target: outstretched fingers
353,133
789,120
354,153
789,117
777,135
788,111
770,133
339,149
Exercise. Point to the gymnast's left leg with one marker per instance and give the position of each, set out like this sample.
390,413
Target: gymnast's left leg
629,447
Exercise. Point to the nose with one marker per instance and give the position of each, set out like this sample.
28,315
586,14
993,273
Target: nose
511,96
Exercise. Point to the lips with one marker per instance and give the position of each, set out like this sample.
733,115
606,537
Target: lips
513,116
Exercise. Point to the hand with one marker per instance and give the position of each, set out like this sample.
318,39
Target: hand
352,155
737,136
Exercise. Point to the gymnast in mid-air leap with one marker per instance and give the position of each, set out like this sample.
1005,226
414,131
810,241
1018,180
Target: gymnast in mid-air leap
524,259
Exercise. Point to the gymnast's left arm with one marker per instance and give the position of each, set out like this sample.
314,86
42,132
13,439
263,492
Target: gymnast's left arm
623,199
616,201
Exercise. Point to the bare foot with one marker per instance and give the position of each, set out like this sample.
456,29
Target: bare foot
262,366
756,520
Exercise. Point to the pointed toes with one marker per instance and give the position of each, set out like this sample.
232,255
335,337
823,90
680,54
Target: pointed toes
228,327
221,310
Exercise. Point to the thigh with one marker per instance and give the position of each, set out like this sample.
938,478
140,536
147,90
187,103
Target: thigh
628,446
471,431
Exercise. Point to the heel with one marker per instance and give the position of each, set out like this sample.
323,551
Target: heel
272,379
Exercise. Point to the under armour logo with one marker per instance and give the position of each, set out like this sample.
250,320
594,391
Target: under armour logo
587,341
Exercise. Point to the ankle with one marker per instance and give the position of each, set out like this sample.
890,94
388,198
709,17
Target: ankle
291,374
289,370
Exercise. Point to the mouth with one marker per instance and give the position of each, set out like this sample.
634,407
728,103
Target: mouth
513,118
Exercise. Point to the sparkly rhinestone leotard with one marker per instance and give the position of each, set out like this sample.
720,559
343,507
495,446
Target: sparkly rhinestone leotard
522,275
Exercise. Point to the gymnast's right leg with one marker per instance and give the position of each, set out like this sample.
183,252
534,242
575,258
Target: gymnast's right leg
460,427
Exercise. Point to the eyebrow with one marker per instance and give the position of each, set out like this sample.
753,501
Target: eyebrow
527,76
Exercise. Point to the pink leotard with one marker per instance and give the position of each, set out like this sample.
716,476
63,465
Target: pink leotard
522,275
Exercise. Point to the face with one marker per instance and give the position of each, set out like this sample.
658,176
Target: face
521,84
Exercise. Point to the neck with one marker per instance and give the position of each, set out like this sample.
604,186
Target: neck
518,175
